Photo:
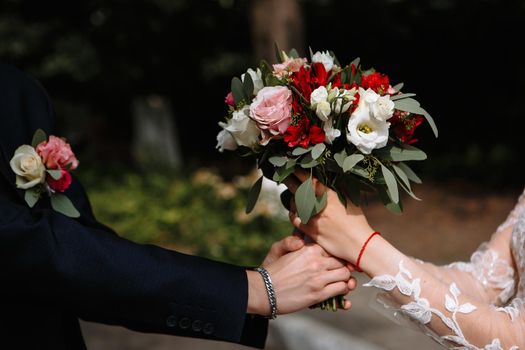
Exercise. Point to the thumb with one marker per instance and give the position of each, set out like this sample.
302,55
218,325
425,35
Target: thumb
291,244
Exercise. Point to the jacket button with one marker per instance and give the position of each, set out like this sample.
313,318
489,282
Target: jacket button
184,323
208,328
171,321
197,325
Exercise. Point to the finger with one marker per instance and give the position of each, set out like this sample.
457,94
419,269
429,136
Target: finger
286,245
333,289
293,207
350,266
352,283
296,221
338,275
333,263
292,183
347,304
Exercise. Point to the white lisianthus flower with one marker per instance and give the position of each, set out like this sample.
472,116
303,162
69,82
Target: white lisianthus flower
242,128
28,167
325,58
383,108
256,78
225,141
330,132
319,102
341,99
364,131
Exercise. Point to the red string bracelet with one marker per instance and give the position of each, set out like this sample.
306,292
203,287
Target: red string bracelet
363,249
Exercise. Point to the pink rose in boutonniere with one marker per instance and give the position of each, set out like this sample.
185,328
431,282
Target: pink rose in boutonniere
44,168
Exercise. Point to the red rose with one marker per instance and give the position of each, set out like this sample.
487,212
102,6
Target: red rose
377,82
303,134
61,184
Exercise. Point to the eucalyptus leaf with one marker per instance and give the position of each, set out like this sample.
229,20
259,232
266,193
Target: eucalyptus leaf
410,173
317,150
340,158
238,90
299,151
282,173
396,208
248,85
398,87
431,122
311,53
360,171
278,160
400,154
351,161
409,191
305,200
38,137
308,162
31,196
55,174
320,203
401,174
391,183
278,53
355,62
253,195
63,205
293,53
408,105
401,96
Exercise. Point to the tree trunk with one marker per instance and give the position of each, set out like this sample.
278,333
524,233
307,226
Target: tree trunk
276,22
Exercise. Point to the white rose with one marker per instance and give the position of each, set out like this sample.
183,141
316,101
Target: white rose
242,128
368,95
28,167
383,109
323,110
364,131
256,78
225,141
330,132
318,95
325,59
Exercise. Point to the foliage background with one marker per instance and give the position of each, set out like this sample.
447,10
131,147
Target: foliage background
462,58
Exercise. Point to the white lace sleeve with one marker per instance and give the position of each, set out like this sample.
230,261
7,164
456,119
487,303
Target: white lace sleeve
473,305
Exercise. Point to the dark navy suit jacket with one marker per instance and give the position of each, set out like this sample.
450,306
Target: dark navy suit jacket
55,270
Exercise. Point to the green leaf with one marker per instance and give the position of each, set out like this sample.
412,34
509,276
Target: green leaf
38,137
308,162
299,151
278,161
408,105
353,190
283,172
55,174
248,85
401,174
398,87
400,154
391,184
63,205
396,208
238,90
351,161
305,200
293,53
253,195
355,62
317,150
340,158
266,71
431,122
31,196
401,96
410,173
320,203
278,53
311,52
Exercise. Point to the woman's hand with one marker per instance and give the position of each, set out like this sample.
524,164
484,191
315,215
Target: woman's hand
302,275
338,229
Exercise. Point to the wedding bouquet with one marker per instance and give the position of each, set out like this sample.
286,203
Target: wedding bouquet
346,125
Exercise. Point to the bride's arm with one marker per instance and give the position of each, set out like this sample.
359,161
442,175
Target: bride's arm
452,302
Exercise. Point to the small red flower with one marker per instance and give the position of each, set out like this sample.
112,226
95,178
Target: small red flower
229,99
303,134
405,126
61,184
377,82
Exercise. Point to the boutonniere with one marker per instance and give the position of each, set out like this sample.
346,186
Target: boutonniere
44,169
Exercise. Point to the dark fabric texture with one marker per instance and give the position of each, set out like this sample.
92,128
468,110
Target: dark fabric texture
55,270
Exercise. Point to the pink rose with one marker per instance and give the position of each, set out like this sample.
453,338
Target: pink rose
229,99
61,184
57,154
289,66
271,109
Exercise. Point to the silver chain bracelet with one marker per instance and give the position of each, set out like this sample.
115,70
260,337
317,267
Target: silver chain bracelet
271,292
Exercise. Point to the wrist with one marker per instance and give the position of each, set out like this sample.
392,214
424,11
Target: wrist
257,296
380,257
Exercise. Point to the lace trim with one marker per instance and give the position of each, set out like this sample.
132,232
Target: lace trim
491,271
518,210
513,308
420,310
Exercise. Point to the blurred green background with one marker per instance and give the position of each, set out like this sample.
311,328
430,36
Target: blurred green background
138,89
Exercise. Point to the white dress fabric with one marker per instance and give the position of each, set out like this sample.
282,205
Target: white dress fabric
466,305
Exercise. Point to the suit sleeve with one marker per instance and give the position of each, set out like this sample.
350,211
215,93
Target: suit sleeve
47,257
